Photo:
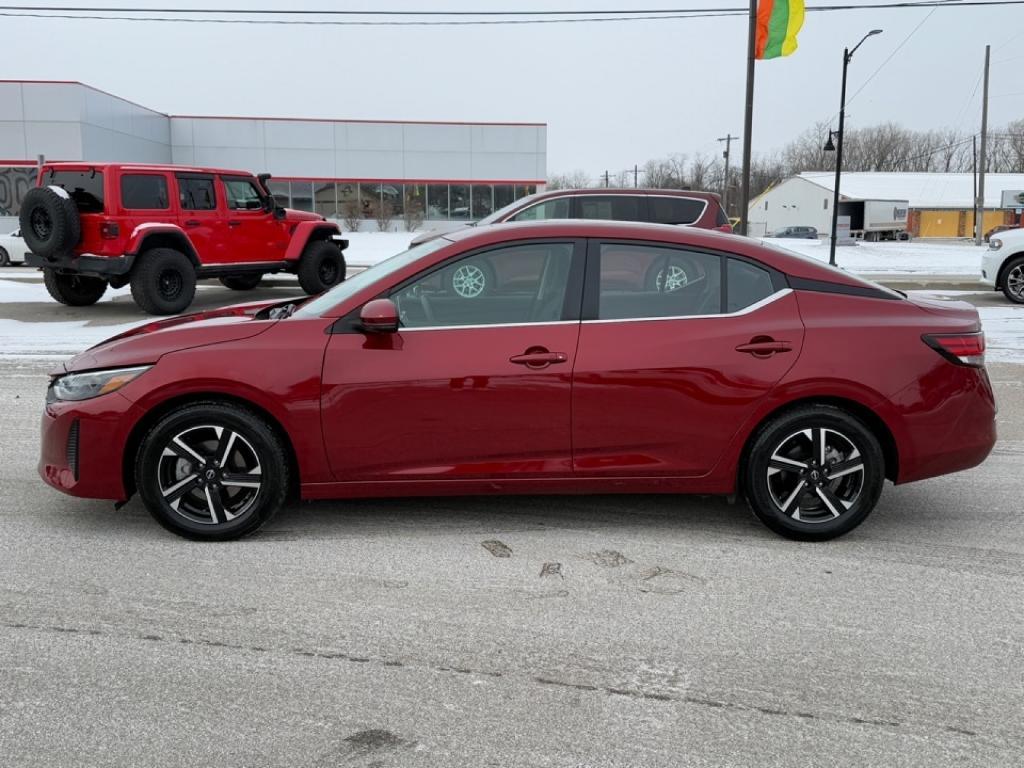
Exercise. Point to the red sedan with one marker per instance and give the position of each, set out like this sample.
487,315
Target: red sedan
613,358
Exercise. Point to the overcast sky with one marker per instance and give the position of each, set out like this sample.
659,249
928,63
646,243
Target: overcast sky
612,94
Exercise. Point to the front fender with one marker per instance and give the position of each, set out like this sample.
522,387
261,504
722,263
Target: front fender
306,231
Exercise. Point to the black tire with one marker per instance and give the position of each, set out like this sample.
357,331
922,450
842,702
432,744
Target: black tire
163,282
241,282
1013,279
186,494
802,502
470,278
74,290
321,267
49,221
5,258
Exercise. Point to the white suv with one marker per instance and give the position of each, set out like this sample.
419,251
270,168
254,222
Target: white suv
1002,266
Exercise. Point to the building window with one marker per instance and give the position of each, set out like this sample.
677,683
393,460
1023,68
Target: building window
369,199
144,192
348,201
522,190
391,196
302,196
414,208
324,201
279,189
825,201
503,195
437,201
483,201
459,199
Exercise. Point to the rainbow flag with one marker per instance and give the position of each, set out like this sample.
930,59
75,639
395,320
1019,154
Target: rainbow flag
778,22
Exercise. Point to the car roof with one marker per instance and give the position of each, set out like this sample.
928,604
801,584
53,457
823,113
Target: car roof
769,254
74,166
625,191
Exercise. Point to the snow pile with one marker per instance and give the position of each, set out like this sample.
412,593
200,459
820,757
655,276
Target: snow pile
894,257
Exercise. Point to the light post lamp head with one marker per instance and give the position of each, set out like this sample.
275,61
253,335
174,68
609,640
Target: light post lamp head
829,146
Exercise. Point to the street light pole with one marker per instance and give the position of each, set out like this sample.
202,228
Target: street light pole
840,135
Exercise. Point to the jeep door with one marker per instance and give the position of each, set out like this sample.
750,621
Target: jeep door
255,235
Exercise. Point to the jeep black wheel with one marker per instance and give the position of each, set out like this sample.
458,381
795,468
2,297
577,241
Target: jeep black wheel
49,221
74,290
241,282
212,471
163,282
321,267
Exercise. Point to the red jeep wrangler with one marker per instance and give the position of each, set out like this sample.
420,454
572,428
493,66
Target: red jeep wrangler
160,227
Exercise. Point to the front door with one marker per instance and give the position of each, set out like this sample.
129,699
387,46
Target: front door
255,234
672,357
477,381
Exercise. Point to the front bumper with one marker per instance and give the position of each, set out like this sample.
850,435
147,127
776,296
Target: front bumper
991,262
102,266
82,446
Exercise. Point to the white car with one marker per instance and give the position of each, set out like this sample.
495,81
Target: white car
12,249
1002,266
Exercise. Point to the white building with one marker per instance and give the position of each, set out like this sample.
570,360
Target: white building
453,170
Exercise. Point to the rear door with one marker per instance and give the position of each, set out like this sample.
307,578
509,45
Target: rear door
201,215
676,348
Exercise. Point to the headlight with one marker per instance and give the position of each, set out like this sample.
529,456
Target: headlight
83,386
995,243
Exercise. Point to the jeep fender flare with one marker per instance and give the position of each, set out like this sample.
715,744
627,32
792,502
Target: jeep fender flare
306,231
161,235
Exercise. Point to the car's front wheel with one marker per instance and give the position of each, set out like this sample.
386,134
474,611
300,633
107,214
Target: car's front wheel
321,267
813,473
5,258
1013,280
212,472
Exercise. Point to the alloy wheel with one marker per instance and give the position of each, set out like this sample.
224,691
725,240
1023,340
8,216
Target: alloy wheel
1015,281
469,281
815,475
209,474
676,278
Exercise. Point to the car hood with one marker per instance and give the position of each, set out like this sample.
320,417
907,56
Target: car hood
149,342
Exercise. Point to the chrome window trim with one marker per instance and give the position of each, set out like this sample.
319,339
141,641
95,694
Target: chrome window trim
403,329
745,311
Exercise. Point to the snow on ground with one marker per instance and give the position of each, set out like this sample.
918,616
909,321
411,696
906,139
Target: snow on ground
58,340
368,248
881,258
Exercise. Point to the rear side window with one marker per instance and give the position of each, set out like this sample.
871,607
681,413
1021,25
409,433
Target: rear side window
549,209
721,220
675,210
144,191
611,208
84,187
746,285
645,281
197,193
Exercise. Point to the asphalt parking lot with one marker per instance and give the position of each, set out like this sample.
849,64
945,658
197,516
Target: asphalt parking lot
534,631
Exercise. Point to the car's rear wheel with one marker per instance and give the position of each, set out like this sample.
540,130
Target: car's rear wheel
1013,280
163,282
321,267
74,290
241,282
813,473
212,472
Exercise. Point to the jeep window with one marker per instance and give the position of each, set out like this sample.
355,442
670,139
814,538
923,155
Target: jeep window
143,191
242,195
85,188
197,193
675,210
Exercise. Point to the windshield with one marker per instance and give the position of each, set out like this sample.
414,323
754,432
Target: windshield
499,214
351,286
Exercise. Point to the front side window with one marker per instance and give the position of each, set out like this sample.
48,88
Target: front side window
611,208
144,192
675,210
85,188
649,281
523,283
558,208
197,193
242,195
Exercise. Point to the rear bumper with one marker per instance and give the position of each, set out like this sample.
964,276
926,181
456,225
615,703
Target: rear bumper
84,264
82,446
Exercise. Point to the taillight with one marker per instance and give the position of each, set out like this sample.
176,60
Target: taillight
109,230
959,348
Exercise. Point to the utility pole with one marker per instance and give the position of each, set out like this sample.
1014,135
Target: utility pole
728,139
748,116
607,179
974,173
979,206
636,176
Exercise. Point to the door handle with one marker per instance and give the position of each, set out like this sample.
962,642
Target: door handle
538,359
234,223
763,346
192,223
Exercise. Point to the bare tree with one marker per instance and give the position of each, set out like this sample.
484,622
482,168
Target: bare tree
412,211
384,215
351,214
577,179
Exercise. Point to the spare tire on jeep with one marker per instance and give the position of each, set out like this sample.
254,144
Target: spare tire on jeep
49,221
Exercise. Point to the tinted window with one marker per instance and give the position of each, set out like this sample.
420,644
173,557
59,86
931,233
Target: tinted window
557,208
638,281
143,191
242,195
721,220
197,193
675,210
85,188
523,283
746,285
612,208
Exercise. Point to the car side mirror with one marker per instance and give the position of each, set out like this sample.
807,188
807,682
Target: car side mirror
379,316
253,205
